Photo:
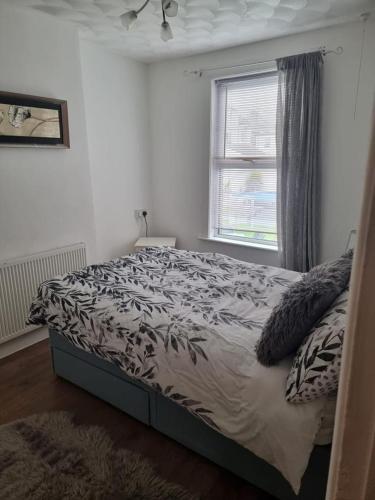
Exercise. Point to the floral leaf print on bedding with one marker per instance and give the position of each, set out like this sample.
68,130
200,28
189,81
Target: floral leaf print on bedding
194,407
162,313
316,366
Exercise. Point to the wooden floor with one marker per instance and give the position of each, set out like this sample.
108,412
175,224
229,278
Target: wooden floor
28,385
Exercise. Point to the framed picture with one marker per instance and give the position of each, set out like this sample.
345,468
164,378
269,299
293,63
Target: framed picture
27,120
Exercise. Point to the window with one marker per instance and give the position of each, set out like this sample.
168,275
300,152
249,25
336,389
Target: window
243,175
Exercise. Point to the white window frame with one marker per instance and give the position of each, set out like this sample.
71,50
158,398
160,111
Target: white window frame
212,205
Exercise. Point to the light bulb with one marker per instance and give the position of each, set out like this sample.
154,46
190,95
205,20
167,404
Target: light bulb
165,31
128,19
170,8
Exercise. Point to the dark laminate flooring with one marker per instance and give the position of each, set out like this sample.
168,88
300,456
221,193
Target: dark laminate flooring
28,386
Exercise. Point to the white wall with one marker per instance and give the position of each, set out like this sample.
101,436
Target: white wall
180,128
45,194
117,112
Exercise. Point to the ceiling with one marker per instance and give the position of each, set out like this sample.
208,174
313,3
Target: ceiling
200,26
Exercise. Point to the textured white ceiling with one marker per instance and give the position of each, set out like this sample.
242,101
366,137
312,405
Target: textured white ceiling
201,25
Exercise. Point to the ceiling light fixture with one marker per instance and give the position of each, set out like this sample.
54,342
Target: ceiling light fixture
169,8
166,31
165,28
128,19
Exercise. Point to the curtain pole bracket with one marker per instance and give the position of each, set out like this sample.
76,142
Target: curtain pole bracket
338,50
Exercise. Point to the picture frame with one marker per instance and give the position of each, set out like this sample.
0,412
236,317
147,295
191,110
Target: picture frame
29,121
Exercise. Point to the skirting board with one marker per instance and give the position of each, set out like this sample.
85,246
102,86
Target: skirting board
108,382
26,340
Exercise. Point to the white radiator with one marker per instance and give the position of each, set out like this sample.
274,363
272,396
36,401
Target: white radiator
19,281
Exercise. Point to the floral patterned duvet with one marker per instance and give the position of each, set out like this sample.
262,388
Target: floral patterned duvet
186,323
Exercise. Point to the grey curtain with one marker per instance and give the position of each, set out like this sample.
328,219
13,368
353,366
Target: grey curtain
298,159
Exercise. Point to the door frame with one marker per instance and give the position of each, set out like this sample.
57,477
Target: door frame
352,467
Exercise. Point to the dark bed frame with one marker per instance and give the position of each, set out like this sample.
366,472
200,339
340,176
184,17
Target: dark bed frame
108,382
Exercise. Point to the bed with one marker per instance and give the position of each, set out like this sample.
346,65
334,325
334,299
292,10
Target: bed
169,337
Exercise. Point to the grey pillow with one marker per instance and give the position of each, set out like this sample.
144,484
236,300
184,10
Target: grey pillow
300,307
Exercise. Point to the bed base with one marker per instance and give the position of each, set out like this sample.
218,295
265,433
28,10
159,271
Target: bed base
108,382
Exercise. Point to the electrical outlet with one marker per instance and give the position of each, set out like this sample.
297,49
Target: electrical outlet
140,211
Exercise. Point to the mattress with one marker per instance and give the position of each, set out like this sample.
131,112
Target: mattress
186,323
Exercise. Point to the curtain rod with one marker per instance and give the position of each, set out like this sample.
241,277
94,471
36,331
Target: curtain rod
324,51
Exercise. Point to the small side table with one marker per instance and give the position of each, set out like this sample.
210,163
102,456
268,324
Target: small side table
154,242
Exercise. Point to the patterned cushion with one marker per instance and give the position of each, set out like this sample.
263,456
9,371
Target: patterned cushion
316,366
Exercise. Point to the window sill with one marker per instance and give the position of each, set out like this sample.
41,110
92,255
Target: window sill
239,243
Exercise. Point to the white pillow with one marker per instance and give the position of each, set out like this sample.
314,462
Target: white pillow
316,366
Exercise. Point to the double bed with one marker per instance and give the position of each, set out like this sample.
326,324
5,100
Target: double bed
169,337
